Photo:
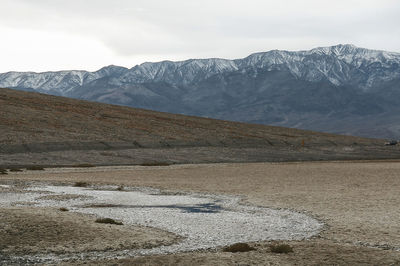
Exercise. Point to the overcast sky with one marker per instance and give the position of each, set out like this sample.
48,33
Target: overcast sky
41,35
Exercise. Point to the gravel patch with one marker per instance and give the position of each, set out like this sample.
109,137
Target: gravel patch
11,198
206,221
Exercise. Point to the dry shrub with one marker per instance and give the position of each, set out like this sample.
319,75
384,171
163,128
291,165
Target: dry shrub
15,170
87,165
107,221
238,247
63,209
80,184
281,248
35,168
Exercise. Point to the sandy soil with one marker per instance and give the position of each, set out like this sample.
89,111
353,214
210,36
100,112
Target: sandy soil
358,201
44,230
315,252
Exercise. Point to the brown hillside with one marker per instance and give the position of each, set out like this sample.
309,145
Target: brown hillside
33,122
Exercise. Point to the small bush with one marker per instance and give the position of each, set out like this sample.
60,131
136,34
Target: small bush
107,221
155,164
3,171
238,247
15,170
80,184
63,209
282,248
35,168
84,165
120,188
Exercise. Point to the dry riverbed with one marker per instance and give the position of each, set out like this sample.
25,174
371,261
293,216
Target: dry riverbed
358,203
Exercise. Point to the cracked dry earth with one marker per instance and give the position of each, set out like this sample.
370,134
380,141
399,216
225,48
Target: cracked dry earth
357,201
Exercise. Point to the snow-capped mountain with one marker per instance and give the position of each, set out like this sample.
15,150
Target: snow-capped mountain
339,89
340,64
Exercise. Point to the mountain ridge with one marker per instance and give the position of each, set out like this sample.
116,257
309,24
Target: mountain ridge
310,89
234,63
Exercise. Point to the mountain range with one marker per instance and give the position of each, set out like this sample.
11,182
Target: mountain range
339,89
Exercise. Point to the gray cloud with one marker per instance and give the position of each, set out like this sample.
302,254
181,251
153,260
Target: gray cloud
210,28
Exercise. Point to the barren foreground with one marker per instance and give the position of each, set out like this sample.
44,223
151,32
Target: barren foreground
358,202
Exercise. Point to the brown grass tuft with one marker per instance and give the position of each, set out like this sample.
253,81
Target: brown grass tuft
87,165
238,247
281,248
80,184
107,221
15,170
35,168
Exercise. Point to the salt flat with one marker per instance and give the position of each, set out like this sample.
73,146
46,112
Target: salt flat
357,201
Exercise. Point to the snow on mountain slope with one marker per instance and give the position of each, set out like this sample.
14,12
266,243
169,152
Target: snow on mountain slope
297,89
183,72
59,82
339,64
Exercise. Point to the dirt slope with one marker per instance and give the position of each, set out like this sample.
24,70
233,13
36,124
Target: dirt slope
33,122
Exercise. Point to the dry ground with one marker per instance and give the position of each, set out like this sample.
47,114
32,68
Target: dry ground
53,131
41,230
32,118
358,201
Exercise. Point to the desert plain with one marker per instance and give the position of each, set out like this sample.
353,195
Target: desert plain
357,202
333,199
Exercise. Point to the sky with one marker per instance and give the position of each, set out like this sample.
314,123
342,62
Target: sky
51,35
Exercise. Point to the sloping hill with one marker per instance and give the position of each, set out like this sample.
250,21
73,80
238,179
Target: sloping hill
38,123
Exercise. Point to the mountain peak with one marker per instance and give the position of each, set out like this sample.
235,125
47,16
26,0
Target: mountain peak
340,49
111,70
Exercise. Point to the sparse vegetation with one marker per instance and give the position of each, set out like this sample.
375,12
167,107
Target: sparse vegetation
281,248
35,168
238,247
108,221
15,170
84,165
3,171
120,188
155,164
63,209
80,184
